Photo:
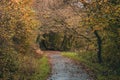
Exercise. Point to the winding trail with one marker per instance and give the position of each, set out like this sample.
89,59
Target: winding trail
65,69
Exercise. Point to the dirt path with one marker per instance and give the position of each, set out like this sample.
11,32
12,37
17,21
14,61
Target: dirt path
64,69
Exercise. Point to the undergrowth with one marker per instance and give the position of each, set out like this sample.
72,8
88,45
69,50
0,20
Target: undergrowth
102,71
26,67
32,68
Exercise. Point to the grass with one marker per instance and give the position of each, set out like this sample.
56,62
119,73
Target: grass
101,71
24,67
33,68
43,69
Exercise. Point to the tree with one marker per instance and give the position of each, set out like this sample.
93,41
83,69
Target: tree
17,24
102,18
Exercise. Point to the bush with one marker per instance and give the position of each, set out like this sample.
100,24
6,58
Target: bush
17,24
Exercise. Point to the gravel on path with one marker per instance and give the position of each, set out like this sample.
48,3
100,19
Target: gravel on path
64,69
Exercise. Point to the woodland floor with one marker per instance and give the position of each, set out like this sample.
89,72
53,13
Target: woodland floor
64,68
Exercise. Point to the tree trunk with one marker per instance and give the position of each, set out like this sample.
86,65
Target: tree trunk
63,44
99,43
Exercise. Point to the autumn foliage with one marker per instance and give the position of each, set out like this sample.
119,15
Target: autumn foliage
17,35
84,26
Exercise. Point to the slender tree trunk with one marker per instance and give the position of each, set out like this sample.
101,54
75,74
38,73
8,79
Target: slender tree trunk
63,42
99,43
